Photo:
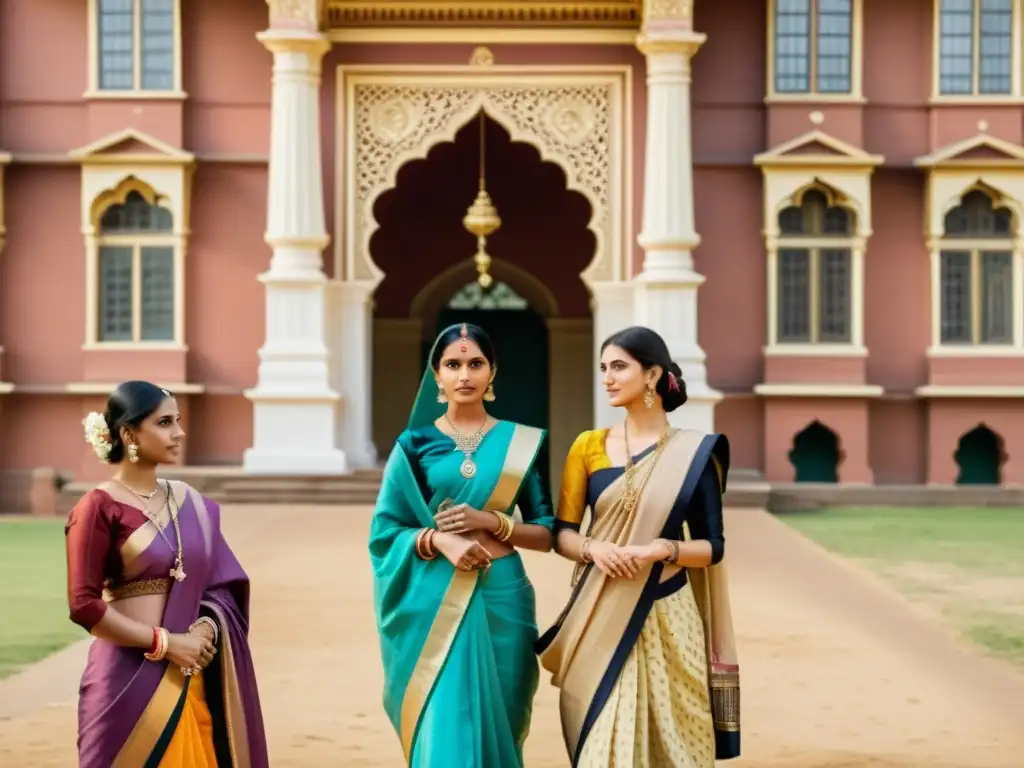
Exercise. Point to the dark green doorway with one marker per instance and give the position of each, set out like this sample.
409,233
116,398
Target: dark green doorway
520,338
816,455
979,455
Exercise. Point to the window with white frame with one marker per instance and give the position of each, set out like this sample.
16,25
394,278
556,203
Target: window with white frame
813,47
814,269
136,272
976,274
975,47
135,45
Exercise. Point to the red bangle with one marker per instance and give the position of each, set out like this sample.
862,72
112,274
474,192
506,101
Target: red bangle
156,641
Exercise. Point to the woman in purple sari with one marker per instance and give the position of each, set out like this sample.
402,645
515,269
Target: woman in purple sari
169,682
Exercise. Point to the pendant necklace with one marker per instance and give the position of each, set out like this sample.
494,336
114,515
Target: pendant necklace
178,571
467,445
631,493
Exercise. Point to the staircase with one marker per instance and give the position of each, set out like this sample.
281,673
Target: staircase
230,485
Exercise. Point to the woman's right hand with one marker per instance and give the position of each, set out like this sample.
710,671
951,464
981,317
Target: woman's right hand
190,651
612,560
464,553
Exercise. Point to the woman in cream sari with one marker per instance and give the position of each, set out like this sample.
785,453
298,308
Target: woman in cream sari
644,653
454,607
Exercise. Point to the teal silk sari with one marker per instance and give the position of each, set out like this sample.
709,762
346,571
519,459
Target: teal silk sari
457,647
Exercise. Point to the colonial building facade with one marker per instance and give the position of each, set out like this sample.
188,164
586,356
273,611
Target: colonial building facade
260,205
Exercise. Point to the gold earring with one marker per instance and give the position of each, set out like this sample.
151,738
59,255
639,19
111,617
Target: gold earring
133,453
441,396
489,395
649,397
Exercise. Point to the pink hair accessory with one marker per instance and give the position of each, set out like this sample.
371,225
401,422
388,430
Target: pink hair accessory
673,383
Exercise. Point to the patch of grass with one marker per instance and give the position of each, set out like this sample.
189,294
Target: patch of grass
33,592
990,539
967,564
1001,633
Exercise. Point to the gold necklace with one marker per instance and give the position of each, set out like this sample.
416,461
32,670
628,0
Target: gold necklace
178,571
467,444
631,494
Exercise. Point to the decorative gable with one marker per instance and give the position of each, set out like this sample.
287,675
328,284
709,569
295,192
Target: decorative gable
819,149
979,151
131,147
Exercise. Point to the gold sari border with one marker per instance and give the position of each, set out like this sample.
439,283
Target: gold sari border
234,708
150,726
519,457
522,450
435,651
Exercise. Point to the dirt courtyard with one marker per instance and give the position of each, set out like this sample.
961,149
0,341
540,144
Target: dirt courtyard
837,672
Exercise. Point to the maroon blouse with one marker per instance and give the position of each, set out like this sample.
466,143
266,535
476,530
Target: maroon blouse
97,528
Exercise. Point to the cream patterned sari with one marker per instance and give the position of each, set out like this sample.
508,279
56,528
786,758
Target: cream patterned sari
647,666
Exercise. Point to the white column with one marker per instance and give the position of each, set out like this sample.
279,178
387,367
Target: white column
666,289
294,405
355,372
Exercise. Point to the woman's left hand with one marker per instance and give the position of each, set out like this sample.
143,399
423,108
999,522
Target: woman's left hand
462,518
654,552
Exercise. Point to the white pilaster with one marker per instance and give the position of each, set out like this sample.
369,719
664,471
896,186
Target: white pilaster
354,366
666,289
294,405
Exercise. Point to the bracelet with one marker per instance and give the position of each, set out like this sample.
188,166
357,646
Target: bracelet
428,543
210,623
585,550
673,553
161,639
425,544
505,527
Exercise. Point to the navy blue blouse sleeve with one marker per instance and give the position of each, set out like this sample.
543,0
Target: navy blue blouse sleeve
704,515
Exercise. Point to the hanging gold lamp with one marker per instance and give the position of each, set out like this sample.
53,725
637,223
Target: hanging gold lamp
482,217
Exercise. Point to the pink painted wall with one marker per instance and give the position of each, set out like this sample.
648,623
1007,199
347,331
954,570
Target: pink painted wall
225,122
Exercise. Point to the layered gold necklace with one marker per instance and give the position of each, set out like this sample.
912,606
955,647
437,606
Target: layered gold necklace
631,494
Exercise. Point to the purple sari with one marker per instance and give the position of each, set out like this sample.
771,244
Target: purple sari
129,707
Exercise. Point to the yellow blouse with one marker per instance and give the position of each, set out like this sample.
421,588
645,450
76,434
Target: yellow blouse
586,456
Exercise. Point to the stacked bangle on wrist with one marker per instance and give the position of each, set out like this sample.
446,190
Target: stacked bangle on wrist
425,544
210,623
505,527
585,550
158,649
673,552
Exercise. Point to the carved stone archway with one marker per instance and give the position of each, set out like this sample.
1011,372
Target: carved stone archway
575,118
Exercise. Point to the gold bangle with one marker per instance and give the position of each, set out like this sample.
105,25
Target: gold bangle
507,526
428,543
585,550
672,558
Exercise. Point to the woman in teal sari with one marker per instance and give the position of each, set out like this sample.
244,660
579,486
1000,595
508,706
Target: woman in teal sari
455,609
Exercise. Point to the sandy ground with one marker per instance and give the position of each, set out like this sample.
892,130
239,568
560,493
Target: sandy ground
838,672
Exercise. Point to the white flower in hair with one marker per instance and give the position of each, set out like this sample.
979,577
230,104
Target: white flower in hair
97,434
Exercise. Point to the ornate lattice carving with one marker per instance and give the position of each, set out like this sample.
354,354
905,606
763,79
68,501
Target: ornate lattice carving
570,125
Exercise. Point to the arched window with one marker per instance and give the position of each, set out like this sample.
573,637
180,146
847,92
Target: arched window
814,270
136,272
976,273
